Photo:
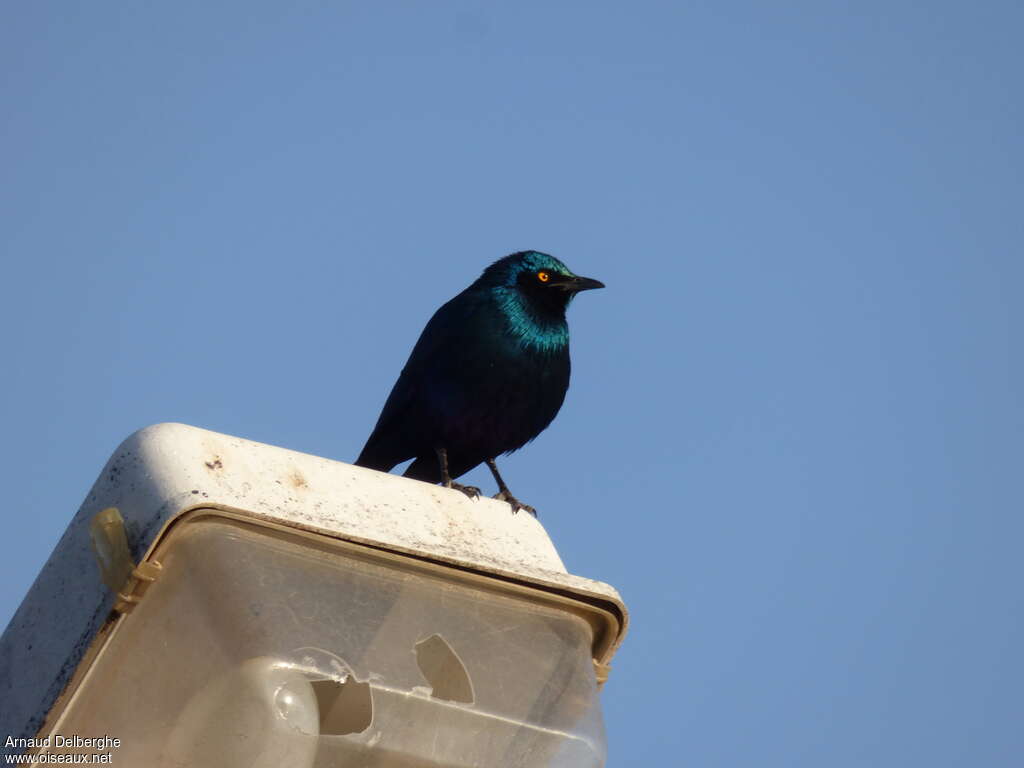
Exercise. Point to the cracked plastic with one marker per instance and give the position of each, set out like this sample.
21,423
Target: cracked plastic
257,648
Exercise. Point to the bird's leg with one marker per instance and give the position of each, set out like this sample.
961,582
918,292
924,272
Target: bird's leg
504,494
442,458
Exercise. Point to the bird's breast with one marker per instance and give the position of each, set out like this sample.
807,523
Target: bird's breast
506,397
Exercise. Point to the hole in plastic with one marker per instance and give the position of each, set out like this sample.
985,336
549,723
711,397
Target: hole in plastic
443,670
345,707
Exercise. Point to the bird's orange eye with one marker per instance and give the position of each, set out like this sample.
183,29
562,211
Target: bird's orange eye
543,276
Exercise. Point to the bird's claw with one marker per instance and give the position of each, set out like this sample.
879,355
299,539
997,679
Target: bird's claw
470,490
515,503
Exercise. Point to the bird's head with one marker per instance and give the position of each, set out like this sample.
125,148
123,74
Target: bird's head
545,284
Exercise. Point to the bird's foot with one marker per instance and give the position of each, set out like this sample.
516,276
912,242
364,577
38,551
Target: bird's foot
515,503
470,490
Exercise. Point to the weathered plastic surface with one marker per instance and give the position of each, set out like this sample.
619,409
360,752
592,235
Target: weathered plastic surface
163,472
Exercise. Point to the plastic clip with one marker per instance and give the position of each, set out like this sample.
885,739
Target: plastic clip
110,545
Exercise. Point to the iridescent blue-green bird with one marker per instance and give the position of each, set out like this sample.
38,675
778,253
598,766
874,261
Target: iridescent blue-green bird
488,375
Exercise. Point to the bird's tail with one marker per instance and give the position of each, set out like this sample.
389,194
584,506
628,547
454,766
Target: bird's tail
372,457
424,468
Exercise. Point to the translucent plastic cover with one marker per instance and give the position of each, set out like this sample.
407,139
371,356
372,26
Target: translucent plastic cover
258,648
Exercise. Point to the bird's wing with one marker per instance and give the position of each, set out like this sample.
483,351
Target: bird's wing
410,412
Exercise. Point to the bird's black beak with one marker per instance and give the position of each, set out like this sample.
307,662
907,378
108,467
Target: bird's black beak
575,284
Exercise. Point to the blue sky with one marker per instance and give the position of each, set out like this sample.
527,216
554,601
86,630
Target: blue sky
793,438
